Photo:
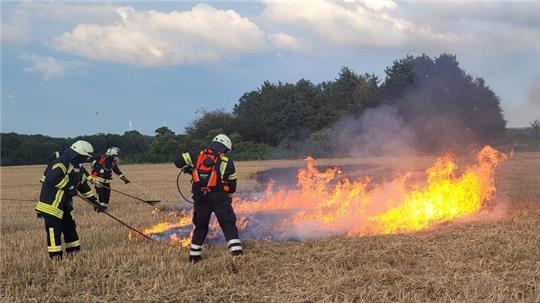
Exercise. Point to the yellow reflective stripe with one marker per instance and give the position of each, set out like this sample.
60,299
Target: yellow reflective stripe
72,213
63,183
72,244
187,159
58,198
88,194
102,180
61,166
42,179
232,176
57,154
48,209
70,168
53,247
222,168
224,158
51,236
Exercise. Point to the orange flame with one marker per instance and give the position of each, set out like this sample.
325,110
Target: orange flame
329,203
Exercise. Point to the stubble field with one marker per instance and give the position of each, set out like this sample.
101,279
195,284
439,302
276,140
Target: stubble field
479,261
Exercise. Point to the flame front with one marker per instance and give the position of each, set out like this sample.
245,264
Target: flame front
329,203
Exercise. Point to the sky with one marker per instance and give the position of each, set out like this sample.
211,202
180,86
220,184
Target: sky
76,68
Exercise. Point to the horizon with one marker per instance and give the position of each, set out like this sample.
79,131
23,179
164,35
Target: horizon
64,62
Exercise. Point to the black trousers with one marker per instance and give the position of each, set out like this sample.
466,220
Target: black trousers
55,228
220,204
104,193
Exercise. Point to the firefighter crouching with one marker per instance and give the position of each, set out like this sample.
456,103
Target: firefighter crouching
214,182
102,168
62,179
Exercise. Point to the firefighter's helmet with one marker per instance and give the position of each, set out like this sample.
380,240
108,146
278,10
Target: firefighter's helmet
223,139
113,151
82,148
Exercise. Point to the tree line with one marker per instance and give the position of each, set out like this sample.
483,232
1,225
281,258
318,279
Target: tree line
434,98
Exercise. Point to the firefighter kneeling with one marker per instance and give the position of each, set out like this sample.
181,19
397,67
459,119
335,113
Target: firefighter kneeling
214,182
62,179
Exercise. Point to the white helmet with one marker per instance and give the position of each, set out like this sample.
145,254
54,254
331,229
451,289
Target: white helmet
223,139
82,148
113,151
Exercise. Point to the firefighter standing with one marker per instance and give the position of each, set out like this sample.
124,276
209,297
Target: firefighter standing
102,168
62,179
214,182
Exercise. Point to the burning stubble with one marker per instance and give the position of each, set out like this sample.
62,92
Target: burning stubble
328,203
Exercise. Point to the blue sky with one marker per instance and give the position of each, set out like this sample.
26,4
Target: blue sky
153,63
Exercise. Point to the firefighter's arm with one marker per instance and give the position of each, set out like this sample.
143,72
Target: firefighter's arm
116,169
185,161
86,191
230,176
119,173
57,176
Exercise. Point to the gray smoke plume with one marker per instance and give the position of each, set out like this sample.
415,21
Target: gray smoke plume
378,131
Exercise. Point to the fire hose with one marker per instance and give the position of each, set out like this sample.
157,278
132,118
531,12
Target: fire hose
178,179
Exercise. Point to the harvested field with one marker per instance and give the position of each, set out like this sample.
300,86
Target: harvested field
488,260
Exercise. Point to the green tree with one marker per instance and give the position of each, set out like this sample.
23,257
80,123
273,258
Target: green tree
443,105
166,146
133,142
210,120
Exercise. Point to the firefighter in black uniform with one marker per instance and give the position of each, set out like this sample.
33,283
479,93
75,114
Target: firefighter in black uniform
214,182
102,168
62,179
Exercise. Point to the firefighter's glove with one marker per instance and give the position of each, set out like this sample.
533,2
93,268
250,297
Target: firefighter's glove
126,180
100,207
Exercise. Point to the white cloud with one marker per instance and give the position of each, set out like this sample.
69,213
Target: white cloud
501,26
380,4
17,29
364,24
49,67
150,38
77,12
288,42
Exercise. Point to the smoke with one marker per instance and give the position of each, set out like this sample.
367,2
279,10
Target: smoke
534,96
494,212
418,124
443,109
378,131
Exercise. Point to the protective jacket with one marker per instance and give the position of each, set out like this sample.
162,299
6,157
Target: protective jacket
102,168
60,182
210,171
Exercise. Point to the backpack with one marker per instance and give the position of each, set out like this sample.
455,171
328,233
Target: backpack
207,175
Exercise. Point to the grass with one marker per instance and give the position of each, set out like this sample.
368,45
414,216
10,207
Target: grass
480,261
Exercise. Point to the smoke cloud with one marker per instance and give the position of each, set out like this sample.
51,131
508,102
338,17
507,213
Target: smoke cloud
378,131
